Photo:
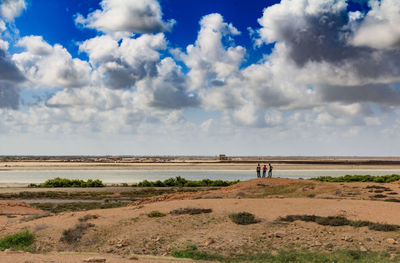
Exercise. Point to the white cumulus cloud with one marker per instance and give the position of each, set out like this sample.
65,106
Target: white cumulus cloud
135,16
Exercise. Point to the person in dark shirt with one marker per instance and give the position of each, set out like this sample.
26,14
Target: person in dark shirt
264,171
270,171
258,170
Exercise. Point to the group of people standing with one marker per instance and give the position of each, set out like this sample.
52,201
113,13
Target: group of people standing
264,169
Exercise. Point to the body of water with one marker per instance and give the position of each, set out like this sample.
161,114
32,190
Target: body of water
134,176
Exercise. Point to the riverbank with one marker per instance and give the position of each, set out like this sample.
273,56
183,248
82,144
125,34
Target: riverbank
209,164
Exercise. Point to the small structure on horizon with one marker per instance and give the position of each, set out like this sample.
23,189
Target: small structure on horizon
223,157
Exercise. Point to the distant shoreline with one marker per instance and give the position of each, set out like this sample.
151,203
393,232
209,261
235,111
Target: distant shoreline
316,164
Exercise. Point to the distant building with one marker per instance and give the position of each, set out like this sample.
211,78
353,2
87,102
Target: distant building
223,157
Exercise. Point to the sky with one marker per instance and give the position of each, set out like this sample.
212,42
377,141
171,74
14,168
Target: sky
178,77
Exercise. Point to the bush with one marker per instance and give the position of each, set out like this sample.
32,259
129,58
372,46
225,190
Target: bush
63,182
18,241
192,252
332,221
359,178
382,227
339,221
77,206
155,214
379,196
74,235
182,182
243,218
190,211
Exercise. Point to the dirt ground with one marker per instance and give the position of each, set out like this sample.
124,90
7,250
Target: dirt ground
129,231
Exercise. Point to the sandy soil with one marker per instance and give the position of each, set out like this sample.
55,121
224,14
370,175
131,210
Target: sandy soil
20,257
128,230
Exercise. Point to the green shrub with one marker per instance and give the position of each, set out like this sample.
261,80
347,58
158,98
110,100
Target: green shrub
192,252
63,182
190,211
18,241
332,221
339,221
382,227
359,178
77,206
292,218
359,223
286,256
182,182
243,218
155,214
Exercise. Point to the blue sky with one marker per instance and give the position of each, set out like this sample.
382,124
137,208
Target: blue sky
290,77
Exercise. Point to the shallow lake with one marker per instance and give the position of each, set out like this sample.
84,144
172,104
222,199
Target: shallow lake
134,176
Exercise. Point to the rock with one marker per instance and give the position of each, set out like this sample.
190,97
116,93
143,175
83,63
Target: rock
369,239
347,238
317,243
279,234
122,243
391,249
329,246
209,241
391,241
94,260
363,249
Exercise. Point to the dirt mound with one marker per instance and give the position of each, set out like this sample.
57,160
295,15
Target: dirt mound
17,208
250,188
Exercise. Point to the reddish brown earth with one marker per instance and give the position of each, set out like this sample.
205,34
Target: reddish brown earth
129,231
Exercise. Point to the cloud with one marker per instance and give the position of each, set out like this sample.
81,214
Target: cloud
313,48
120,64
53,66
212,64
9,95
373,93
135,16
10,9
10,78
170,88
380,27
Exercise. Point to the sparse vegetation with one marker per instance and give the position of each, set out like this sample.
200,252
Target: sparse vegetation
182,182
379,196
74,235
156,214
63,182
87,217
243,218
192,252
34,217
292,256
359,178
379,187
392,200
77,206
382,227
18,241
339,221
190,211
